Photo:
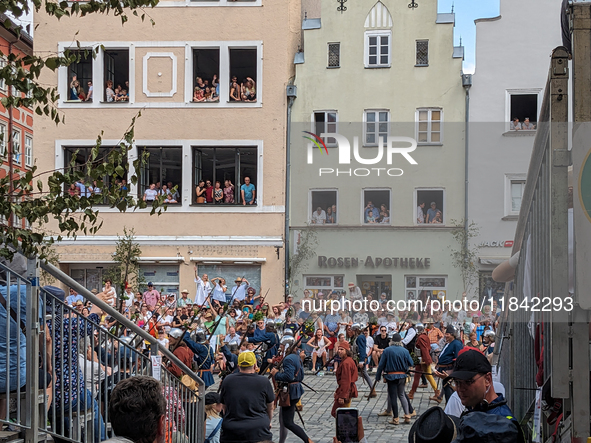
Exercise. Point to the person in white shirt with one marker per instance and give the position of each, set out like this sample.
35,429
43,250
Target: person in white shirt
319,216
200,294
420,213
219,290
355,292
150,194
239,291
130,297
167,319
110,293
391,323
231,336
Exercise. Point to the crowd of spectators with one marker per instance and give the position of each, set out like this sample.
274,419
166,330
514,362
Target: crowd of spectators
77,91
321,217
88,188
208,193
155,190
525,126
433,215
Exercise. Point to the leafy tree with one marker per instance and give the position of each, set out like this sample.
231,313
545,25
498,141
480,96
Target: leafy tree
306,249
465,256
38,196
126,271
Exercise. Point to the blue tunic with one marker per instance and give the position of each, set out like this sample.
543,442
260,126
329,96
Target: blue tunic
394,359
204,359
450,353
270,339
231,359
292,365
362,347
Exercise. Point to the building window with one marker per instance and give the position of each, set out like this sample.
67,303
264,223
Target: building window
323,207
16,145
377,124
228,165
324,122
243,71
89,276
252,274
116,74
429,129
422,53
524,106
3,140
430,207
334,55
514,187
377,49
2,81
489,290
422,287
28,151
325,284
376,206
164,166
164,277
81,155
80,76
206,68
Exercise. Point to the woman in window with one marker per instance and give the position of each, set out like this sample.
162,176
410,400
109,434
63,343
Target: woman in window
74,84
110,94
329,215
438,218
235,92
384,214
249,90
228,192
199,95
218,193
200,191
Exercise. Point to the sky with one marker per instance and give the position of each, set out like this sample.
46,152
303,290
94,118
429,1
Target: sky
466,12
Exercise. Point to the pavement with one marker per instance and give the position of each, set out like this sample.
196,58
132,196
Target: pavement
320,425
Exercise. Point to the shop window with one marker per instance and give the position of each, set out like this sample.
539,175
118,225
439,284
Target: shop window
429,129
376,206
252,274
325,284
430,203
375,285
323,207
116,65
89,276
377,124
226,164
324,122
165,278
423,288
80,76
80,155
206,75
243,71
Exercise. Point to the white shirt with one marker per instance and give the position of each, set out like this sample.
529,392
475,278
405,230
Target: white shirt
239,292
370,343
455,407
356,294
420,215
200,292
151,194
111,293
168,319
410,333
218,293
91,371
319,219
392,326
130,299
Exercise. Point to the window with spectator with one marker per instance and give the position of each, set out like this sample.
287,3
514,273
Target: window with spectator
80,76
376,207
429,203
323,208
164,165
116,75
85,188
228,165
243,74
325,121
206,68
324,284
424,287
522,109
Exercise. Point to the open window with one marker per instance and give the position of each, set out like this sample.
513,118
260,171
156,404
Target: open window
430,203
376,206
206,75
323,207
163,167
81,155
325,121
228,165
116,75
80,77
522,109
243,72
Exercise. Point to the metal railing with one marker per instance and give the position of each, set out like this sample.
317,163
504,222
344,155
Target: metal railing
69,364
543,271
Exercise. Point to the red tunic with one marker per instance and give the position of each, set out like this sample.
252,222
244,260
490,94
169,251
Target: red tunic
424,344
346,377
185,355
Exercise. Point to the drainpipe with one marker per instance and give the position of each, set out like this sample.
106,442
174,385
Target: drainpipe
467,84
291,92
9,143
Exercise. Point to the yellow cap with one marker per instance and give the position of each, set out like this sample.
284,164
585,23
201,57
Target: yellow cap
247,359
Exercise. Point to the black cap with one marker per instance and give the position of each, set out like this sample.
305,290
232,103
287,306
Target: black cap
434,426
396,337
212,398
451,330
470,364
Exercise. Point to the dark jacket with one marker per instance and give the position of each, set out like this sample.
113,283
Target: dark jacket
203,357
291,372
231,359
270,339
394,359
450,353
361,343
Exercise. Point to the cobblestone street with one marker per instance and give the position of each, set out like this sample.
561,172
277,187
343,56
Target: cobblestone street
320,425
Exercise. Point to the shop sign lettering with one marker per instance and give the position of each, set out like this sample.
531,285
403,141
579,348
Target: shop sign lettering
374,262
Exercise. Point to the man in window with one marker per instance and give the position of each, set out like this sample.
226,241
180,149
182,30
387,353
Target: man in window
432,212
247,191
334,213
515,125
319,216
421,213
370,208
527,126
